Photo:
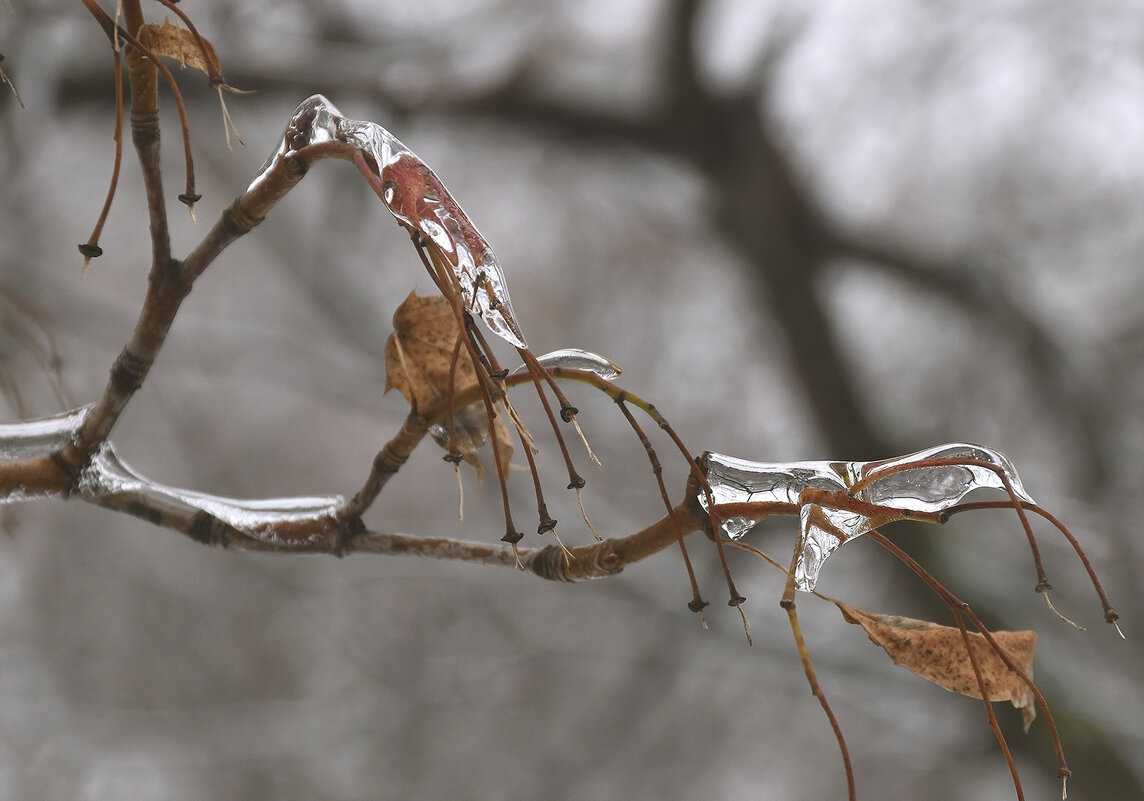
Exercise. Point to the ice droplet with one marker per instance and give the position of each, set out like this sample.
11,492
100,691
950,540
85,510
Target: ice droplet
418,200
576,359
906,483
471,426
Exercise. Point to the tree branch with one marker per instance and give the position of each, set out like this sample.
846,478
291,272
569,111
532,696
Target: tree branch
317,525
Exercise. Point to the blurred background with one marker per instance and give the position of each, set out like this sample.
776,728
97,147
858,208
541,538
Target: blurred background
821,230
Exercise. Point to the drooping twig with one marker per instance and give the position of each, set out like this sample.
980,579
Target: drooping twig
1043,585
959,607
697,603
614,392
989,713
808,669
1110,613
91,249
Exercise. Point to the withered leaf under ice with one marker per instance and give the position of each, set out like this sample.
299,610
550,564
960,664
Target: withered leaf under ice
417,198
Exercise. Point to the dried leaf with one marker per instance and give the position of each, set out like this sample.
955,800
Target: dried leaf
938,653
419,363
419,352
180,45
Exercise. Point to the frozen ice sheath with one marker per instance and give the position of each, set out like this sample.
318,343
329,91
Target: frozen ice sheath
912,483
418,200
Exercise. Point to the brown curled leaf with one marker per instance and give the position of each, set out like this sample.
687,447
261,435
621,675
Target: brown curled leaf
419,363
938,653
179,44
419,353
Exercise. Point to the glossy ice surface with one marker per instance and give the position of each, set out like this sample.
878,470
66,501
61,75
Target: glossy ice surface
911,483
418,200
108,475
576,359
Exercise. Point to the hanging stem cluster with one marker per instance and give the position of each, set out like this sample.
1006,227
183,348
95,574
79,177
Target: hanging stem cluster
812,503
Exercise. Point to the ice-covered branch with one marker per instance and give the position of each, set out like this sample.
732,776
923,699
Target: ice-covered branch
840,501
302,525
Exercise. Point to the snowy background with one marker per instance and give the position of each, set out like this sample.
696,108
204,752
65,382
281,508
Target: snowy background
805,230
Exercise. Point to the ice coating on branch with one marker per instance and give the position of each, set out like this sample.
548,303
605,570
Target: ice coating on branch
911,483
311,123
823,531
931,489
419,201
735,480
38,439
108,475
576,359
30,439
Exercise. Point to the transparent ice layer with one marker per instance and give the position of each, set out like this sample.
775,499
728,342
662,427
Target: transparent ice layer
418,200
31,439
108,475
928,481
37,439
576,359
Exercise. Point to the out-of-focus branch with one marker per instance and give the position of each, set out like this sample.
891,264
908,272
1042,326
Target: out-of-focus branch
1048,365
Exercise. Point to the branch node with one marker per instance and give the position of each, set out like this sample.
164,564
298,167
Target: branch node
348,528
201,529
